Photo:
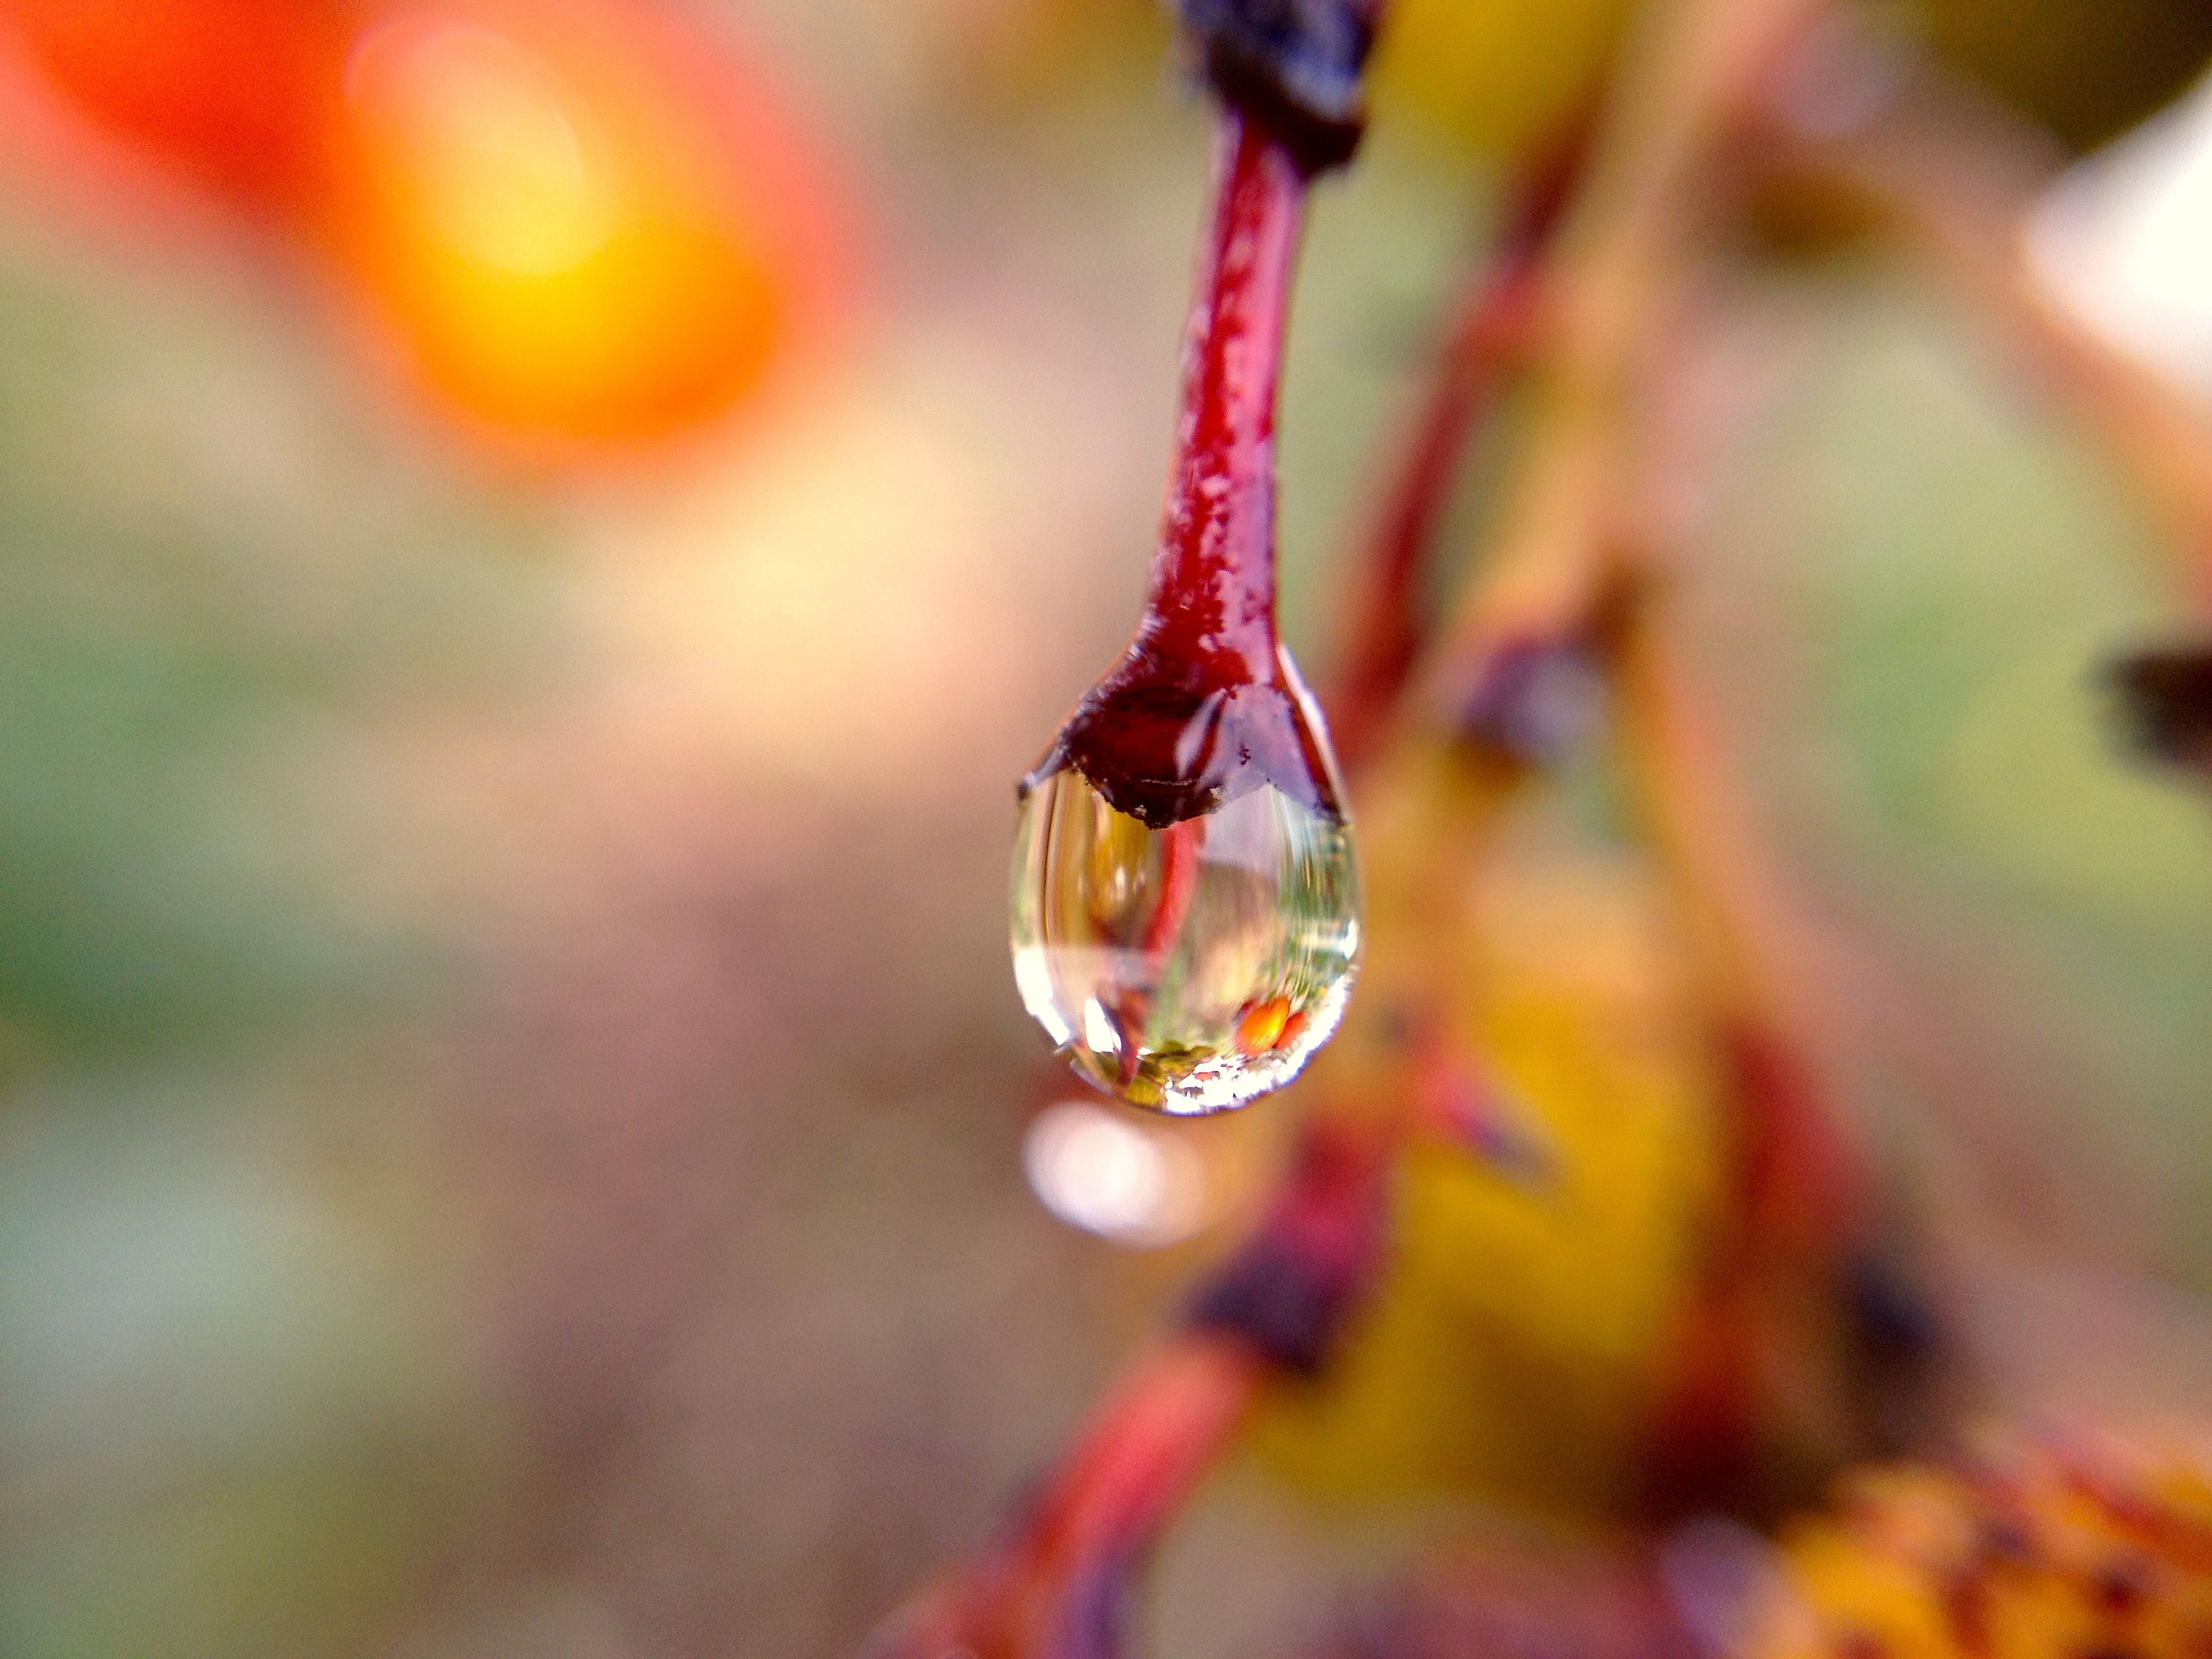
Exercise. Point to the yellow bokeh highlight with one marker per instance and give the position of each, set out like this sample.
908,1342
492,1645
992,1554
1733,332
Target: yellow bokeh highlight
1493,75
564,243
1515,1351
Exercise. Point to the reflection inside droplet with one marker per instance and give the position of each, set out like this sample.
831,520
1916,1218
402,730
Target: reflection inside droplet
1190,969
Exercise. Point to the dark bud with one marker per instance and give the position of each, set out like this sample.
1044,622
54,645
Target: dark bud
2166,698
1289,1290
1895,1319
1533,701
2123,1585
1293,65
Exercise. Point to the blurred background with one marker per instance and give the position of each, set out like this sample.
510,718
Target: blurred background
534,541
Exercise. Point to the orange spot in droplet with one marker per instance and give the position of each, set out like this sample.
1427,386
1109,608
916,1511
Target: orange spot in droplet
1261,1027
1293,1028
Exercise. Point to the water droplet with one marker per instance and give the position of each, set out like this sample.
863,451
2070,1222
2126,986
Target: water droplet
1189,968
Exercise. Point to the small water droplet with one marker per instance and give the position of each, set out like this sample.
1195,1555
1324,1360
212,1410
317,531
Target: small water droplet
1190,969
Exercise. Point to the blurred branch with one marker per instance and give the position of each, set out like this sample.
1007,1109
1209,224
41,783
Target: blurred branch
1949,179
1583,536
1496,322
2170,694
1567,536
1057,1586
1575,557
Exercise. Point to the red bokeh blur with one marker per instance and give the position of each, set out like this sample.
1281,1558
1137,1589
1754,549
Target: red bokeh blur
236,96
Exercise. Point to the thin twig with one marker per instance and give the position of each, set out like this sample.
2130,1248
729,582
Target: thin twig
1497,323
1054,1587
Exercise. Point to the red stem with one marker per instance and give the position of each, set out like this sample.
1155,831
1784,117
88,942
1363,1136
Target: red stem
1203,706
1212,599
1182,844
1053,1586
1143,1452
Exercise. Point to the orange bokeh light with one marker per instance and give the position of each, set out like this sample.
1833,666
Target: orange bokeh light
577,237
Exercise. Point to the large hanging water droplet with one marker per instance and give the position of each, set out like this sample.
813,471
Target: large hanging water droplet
1190,969
1185,901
